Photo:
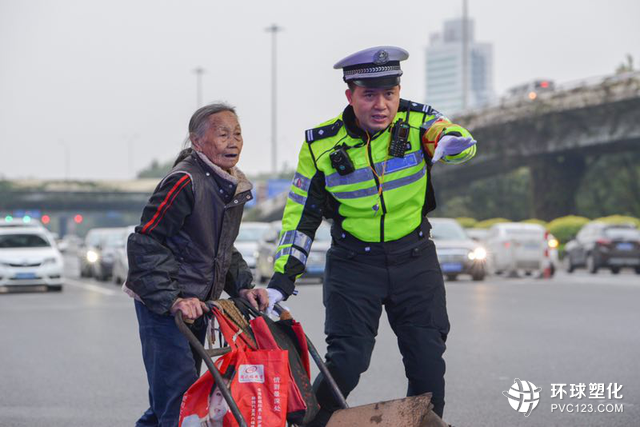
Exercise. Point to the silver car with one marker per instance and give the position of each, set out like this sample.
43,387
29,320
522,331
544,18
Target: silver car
98,253
248,239
265,257
121,261
515,247
457,252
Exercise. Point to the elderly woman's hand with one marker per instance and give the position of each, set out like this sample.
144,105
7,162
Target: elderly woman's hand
257,298
191,308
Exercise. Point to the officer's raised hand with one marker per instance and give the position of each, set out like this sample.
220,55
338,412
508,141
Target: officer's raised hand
450,145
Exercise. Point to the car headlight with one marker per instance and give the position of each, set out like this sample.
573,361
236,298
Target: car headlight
50,260
477,254
553,243
92,256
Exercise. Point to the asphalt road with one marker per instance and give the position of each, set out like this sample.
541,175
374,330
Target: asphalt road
73,358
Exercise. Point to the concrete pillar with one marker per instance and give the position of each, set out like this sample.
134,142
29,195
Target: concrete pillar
554,183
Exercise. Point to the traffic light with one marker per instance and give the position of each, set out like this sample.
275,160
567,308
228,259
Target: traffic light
46,219
78,219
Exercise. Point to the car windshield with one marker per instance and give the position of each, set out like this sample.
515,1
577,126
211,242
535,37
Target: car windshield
114,239
250,233
447,231
622,233
23,241
524,232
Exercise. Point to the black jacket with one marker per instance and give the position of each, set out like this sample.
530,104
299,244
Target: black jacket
183,246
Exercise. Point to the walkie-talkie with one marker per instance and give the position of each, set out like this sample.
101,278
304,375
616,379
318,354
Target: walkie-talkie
399,139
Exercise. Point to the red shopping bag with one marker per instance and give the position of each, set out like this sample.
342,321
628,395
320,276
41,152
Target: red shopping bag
304,347
258,380
260,388
303,405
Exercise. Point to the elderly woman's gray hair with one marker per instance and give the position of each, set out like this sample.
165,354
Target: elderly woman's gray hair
199,124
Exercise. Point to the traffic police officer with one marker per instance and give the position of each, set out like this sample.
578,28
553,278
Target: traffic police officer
369,171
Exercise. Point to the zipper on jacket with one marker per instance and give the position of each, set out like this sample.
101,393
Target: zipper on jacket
378,185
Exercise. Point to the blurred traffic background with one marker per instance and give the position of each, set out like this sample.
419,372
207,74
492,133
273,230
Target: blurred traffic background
538,236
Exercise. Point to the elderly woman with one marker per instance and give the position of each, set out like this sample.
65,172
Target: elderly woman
182,254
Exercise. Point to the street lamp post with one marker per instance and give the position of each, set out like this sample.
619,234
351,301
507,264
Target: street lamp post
274,29
199,71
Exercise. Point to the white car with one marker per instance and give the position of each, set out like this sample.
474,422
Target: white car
29,260
513,247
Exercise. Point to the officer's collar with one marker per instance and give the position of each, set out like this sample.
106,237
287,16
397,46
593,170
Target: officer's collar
354,131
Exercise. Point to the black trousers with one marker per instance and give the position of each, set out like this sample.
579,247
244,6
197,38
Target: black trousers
403,276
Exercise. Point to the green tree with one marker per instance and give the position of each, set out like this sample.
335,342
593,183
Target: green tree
626,66
611,186
499,196
156,169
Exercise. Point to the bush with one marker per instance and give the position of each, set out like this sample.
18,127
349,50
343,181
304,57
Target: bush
565,228
488,223
619,219
535,221
467,222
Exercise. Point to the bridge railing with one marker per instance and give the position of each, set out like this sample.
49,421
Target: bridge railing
560,89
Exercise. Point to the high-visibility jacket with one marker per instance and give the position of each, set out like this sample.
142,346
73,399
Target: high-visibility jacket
384,199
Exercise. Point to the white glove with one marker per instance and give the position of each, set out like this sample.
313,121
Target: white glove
275,296
449,145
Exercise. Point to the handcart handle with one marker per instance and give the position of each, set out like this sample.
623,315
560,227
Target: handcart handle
217,376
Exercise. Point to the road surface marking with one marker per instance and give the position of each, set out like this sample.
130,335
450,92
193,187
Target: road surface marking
90,287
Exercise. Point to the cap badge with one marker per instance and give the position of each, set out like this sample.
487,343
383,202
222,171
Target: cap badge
381,57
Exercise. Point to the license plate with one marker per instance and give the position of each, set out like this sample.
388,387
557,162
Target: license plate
625,246
25,276
449,267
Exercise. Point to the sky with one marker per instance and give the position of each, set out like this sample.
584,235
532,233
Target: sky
98,89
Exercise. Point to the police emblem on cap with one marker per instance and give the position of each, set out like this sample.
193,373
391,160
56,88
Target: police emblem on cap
377,66
381,57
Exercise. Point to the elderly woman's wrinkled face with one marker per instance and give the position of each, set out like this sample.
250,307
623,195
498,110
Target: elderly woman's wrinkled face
222,141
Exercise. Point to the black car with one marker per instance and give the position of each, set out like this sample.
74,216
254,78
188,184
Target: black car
600,245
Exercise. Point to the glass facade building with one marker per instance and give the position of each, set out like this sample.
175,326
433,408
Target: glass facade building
444,88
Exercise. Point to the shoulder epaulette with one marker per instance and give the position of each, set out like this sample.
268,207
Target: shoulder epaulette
323,131
415,106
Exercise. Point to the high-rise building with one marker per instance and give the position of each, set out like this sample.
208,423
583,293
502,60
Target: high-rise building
445,69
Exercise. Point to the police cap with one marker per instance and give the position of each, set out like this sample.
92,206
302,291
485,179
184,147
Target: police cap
376,67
